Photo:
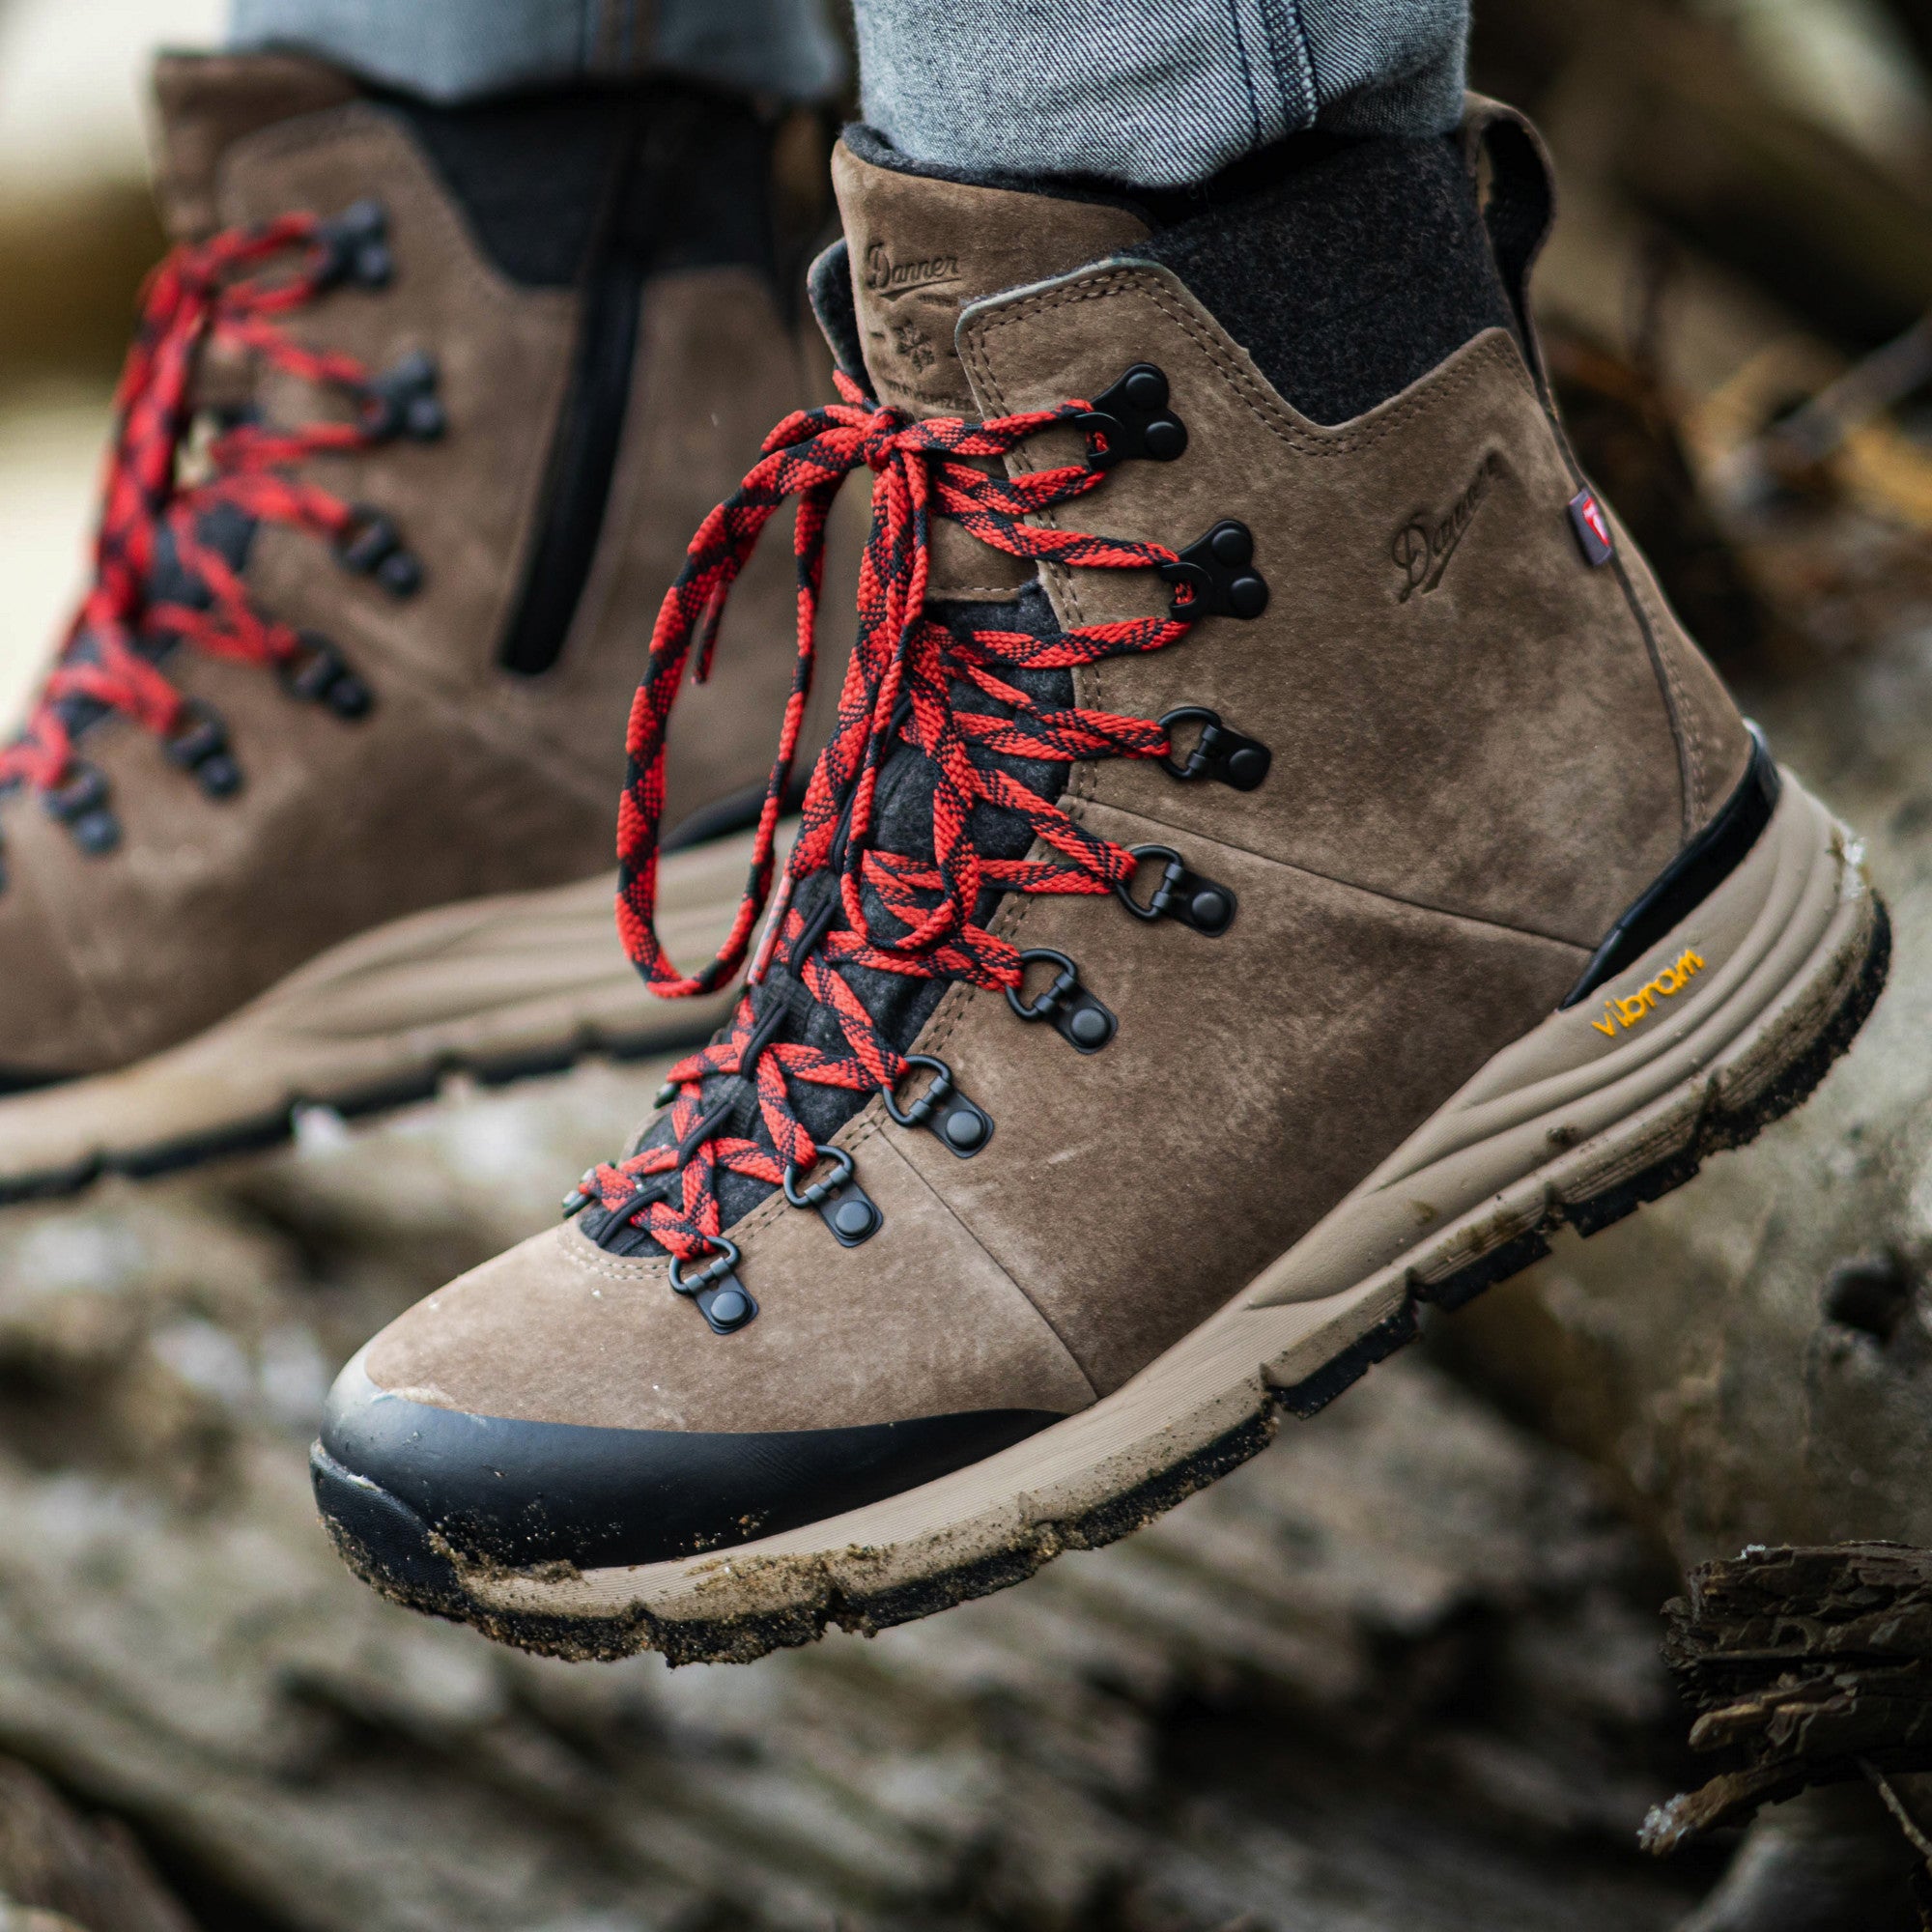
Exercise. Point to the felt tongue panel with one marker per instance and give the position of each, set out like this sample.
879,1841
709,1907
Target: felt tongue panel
207,101
921,248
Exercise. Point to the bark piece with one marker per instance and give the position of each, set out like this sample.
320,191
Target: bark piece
1814,1663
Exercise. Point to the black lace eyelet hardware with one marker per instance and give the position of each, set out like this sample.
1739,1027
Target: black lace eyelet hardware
357,245
1076,1016
1182,895
402,401
371,546
80,803
722,1298
581,1196
317,674
1215,576
962,1127
843,1205
199,745
1132,420
1220,753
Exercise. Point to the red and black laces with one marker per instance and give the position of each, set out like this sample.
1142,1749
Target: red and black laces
960,701
161,576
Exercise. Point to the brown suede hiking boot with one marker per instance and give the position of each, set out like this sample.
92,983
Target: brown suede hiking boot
317,803
1332,871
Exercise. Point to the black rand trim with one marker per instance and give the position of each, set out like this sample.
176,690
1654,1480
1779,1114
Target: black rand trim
1692,877
518,1492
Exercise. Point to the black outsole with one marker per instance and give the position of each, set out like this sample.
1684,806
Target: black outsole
264,1131
417,1570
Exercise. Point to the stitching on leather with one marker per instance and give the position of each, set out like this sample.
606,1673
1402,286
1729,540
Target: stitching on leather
1493,345
1494,349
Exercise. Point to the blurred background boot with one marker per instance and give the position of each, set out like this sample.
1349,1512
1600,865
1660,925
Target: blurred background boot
419,412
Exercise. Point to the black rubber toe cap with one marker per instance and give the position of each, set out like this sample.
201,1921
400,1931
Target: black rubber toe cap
390,1471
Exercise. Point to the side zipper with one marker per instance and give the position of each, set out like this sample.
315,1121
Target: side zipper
583,456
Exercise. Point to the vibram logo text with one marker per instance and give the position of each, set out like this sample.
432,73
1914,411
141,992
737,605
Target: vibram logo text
1626,1013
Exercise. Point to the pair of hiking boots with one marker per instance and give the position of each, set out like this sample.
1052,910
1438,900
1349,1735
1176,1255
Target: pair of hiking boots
1274,855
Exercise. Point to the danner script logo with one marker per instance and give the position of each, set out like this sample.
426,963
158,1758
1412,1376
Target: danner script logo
1671,982
1424,545
887,278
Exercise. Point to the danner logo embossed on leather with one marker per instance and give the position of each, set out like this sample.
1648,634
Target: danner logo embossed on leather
1667,984
887,278
1424,545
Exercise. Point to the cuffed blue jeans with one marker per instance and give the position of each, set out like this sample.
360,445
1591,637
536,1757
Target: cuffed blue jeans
1154,92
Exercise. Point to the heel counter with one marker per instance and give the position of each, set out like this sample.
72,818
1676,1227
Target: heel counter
1516,186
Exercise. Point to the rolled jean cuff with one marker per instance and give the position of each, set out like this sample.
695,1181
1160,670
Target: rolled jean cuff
453,51
1148,92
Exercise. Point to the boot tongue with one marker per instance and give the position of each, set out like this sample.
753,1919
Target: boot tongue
206,103
923,248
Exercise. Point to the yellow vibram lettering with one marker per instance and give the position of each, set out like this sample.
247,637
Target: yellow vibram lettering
1627,1009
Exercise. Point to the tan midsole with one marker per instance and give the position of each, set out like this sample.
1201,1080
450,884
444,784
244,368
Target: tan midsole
1552,1119
474,984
